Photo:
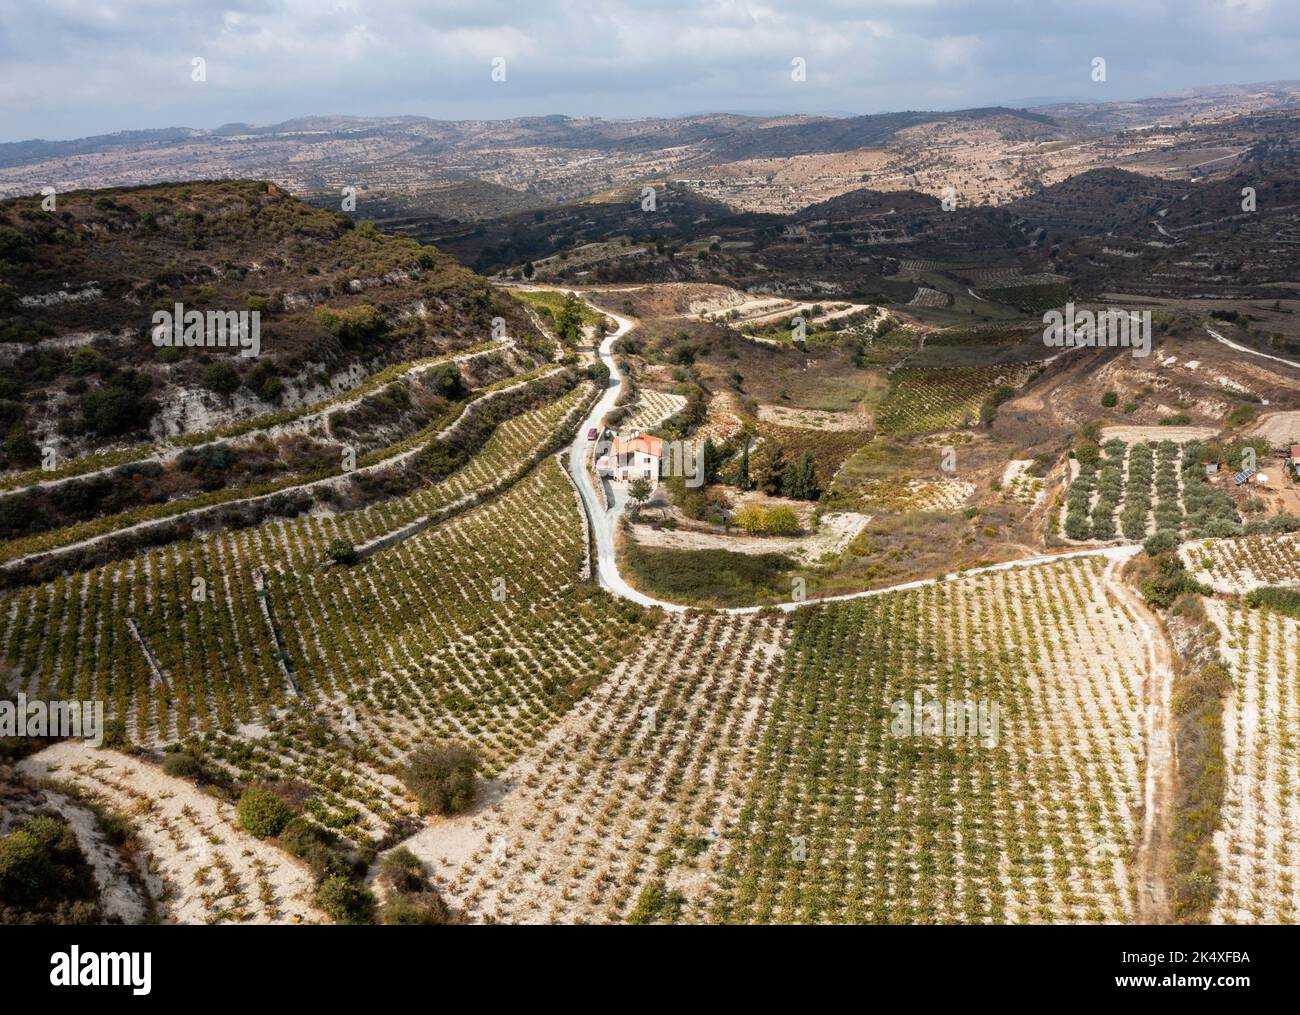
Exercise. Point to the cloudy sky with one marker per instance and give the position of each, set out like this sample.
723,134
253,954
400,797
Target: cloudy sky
70,68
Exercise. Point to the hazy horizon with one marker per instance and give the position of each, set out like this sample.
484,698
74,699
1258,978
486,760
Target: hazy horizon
71,72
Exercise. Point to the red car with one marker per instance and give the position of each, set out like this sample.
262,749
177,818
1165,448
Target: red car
591,434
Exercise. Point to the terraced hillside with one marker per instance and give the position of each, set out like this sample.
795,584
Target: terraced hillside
223,661
336,300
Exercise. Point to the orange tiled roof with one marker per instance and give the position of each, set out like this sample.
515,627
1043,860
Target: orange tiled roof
646,445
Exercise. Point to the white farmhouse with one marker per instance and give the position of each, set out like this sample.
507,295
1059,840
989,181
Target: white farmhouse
635,457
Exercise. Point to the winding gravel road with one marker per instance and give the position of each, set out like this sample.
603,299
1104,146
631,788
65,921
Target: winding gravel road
1254,352
604,521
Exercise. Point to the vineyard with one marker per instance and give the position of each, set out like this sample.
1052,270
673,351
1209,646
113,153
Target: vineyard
848,823
921,400
616,815
1028,299
1113,496
742,769
652,408
412,641
1258,853
1022,487
327,473
201,867
929,298
1239,565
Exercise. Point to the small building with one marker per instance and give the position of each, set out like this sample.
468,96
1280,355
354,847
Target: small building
1295,456
1212,469
635,457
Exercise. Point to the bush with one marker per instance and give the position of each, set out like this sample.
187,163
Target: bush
262,813
1109,400
1280,600
314,846
342,552
1161,542
411,899
345,901
353,325
424,908
1172,581
441,776
44,876
118,407
222,379
1241,415
182,766
782,521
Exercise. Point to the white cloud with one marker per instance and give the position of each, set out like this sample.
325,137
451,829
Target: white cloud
70,68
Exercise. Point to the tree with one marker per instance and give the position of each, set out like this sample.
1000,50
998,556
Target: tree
801,478
766,466
568,320
119,406
639,491
712,459
221,378
19,447
742,470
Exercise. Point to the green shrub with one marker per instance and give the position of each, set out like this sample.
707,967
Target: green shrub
221,378
656,902
342,552
425,908
182,766
314,846
1161,542
1279,600
1109,400
262,813
345,901
441,776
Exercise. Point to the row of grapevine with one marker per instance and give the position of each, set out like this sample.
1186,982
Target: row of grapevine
619,814
743,769
921,399
847,822
195,605
1258,847
1239,565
